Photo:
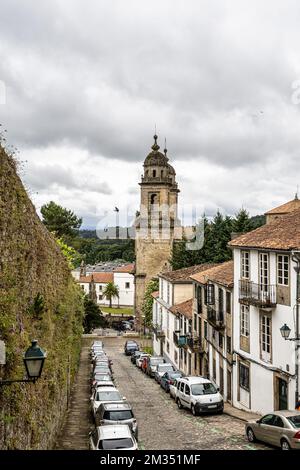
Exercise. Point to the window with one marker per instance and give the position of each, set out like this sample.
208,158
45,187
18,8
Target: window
168,347
221,300
205,329
244,377
244,320
199,298
220,341
195,322
168,293
278,422
268,419
214,369
154,173
181,386
245,264
228,344
265,329
100,297
187,390
127,285
210,294
264,271
228,302
283,269
100,287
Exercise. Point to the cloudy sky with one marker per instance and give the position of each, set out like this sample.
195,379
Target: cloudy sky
83,83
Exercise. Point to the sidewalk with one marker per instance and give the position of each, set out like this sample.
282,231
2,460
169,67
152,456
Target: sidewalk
240,414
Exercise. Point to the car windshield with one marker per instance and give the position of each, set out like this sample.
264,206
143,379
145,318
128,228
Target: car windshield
294,420
203,389
109,395
175,375
118,415
156,361
165,368
103,378
110,444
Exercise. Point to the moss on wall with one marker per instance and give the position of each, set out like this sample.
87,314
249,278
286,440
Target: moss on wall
38,299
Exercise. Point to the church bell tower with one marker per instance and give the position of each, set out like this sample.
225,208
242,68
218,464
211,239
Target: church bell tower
155,222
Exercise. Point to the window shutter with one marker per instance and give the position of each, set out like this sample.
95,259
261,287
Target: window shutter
210,294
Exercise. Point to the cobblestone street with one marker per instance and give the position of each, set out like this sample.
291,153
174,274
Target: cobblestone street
161,424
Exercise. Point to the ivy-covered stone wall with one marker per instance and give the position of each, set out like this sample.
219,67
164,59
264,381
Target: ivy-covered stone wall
38,300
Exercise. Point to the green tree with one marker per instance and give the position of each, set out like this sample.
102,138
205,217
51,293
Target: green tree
93,317
61,221
71,255
152,286
242,222
110,292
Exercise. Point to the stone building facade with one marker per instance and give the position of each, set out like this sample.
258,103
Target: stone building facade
155,223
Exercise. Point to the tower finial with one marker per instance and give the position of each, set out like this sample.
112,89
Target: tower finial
155,146
165,149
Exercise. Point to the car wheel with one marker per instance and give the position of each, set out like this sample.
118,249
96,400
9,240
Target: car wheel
194,410
179,404
285,445
250,435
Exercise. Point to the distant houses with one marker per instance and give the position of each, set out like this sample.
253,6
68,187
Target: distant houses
227,321
94,278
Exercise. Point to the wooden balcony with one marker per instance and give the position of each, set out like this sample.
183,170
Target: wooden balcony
261,296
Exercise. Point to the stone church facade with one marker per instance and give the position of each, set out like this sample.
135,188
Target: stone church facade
156,222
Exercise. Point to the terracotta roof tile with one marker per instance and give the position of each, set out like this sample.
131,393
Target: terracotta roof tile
184,308
128,268
98,277
286,208
184,274
221,274
155,294
282,234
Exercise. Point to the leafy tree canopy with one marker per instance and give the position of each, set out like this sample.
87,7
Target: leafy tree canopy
63,222
93,317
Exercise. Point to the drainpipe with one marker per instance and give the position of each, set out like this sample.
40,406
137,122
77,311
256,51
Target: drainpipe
296,259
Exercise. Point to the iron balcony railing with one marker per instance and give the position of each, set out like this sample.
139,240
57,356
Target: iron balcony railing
180,340
158,331
262,296
196,344
217,319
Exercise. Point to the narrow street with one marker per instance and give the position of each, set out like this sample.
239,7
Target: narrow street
161,424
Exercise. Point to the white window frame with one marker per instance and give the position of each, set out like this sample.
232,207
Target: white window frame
245,264
283,270
266,337
245,320
264,270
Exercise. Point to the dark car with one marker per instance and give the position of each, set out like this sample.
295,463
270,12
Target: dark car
130,347
168,379
135,355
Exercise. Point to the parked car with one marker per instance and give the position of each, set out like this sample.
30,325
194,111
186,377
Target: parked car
152,363
104,383
279,428
173,389
130,347
135,355
169,378
126,325
98,377
101,378
104,395
114,437
161,369
199,395
117,413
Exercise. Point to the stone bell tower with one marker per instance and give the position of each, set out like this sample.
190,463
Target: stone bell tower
155,222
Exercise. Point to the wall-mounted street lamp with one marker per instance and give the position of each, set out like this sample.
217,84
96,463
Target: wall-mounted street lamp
34,359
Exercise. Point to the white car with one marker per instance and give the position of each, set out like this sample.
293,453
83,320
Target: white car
173,389
113,437
139,360
105,395
199,395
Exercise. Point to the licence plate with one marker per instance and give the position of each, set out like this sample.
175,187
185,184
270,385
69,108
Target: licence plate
212,406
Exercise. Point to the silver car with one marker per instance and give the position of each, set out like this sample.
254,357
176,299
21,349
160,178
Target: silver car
117,413
113,437
279,428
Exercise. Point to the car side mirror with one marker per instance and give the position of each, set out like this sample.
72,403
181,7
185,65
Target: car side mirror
258,421
124,398
218,389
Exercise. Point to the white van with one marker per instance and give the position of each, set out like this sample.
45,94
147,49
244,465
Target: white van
199,395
